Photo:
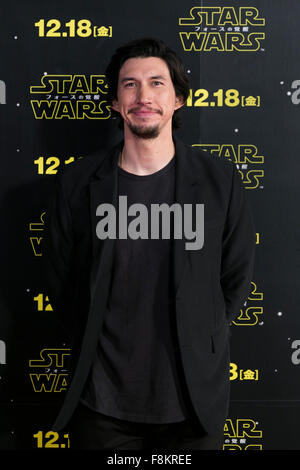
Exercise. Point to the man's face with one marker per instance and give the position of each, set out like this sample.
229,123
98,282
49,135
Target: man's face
146,97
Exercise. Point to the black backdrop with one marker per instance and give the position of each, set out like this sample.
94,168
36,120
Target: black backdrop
242,58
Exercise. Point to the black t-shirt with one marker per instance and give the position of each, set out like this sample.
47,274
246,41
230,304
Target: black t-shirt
134,375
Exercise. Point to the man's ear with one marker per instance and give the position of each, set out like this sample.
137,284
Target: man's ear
179,102
115,105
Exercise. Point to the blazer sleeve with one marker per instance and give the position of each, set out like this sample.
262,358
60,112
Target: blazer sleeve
58,243
238,249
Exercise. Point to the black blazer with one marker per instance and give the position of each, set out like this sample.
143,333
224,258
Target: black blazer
211,284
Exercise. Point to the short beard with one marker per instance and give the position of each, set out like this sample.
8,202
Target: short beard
145,132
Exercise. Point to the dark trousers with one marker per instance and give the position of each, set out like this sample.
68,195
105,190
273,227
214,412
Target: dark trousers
92,430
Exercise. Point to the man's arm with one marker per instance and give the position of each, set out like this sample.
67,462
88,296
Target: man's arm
238,249
57,252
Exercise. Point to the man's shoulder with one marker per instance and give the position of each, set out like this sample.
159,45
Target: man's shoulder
80,172
203,160
84,166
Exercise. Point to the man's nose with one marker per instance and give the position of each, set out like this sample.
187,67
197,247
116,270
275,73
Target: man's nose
144,94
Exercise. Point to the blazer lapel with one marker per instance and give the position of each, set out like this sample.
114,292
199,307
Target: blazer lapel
185,185
104,189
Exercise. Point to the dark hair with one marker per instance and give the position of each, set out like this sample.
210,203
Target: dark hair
147,47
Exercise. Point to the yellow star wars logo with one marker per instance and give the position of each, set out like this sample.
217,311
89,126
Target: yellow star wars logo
240,433
222,29
36,240
250,316
52,360
71,97
244,156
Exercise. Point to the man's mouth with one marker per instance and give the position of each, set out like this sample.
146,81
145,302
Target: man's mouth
144,112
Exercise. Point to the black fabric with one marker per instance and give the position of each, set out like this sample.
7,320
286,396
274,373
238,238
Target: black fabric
134,375
89,430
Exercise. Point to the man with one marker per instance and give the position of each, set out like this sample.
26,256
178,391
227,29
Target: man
148,315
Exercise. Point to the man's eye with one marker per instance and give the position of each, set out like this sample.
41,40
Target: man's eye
128,85
157,83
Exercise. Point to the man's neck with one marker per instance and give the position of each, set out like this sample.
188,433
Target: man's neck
146,156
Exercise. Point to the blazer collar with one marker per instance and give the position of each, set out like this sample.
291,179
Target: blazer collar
110,163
